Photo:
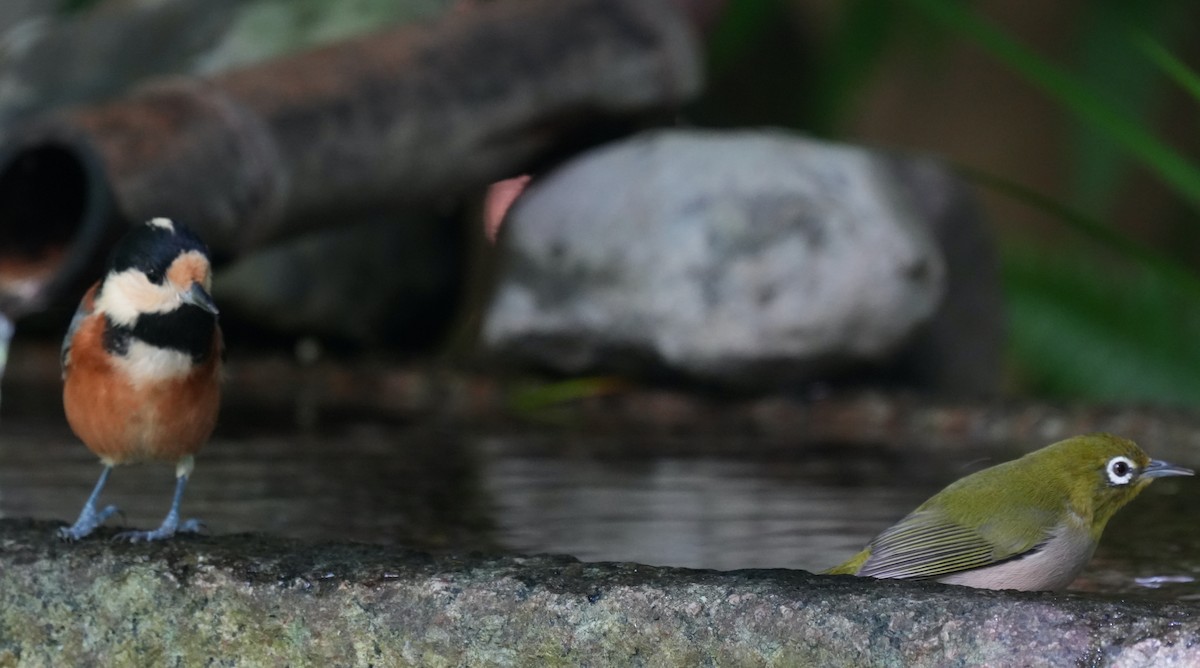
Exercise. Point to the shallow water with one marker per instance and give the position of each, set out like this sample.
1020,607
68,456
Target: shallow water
377,480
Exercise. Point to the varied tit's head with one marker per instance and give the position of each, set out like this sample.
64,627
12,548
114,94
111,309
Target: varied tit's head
159,267
1102,471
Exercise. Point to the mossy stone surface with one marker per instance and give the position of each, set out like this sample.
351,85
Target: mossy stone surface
256,600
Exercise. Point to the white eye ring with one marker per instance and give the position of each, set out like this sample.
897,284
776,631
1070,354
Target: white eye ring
1120,470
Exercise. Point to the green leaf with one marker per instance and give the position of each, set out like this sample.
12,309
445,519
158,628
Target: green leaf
1083,326
1113,68
548,395
1169,64
1090,228
1172,167
1119,324
863,30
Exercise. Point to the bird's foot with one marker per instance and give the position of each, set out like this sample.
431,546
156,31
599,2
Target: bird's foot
192,525
88,521
167,530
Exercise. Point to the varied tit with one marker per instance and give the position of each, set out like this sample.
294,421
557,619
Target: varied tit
142,362
1031,524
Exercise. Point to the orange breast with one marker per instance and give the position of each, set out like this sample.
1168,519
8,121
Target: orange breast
125,422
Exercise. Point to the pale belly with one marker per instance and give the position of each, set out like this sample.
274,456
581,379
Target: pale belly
1054,566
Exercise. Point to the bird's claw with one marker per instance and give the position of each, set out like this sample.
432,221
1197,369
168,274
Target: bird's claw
164,532
142,536
192,525
88,522
71,534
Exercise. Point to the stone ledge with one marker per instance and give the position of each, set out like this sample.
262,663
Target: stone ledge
259,600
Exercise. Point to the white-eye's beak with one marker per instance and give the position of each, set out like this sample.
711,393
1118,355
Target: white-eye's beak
1157,468
197,296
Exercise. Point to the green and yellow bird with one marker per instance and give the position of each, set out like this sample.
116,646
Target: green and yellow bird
1030,524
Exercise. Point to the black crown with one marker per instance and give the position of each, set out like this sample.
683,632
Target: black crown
151,249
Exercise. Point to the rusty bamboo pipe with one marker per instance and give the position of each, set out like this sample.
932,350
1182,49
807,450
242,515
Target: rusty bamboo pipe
405,117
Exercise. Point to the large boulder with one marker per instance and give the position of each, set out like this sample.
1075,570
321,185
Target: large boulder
750,259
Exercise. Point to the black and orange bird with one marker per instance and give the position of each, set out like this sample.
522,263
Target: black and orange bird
142,364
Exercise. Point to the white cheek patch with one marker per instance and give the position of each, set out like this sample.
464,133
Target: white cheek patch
129,293
144,363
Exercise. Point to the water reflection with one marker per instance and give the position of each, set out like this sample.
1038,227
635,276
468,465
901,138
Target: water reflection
363,482
703,513
433,487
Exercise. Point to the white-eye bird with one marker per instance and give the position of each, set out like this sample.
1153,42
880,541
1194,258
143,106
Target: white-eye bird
1031,524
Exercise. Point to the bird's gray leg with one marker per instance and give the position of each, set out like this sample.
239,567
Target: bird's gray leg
170,524
89,519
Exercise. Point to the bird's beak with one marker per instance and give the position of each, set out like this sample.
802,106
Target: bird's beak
197,296
1157,468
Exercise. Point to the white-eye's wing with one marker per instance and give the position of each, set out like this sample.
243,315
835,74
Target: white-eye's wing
929,544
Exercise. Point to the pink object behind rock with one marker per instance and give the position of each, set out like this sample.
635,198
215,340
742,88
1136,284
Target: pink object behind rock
500,197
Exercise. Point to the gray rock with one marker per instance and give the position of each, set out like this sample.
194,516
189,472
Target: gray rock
254,600
738,257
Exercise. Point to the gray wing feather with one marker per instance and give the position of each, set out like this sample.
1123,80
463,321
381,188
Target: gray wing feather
927,544
76,320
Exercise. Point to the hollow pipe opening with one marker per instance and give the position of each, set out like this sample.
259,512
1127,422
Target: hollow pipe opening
54,214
